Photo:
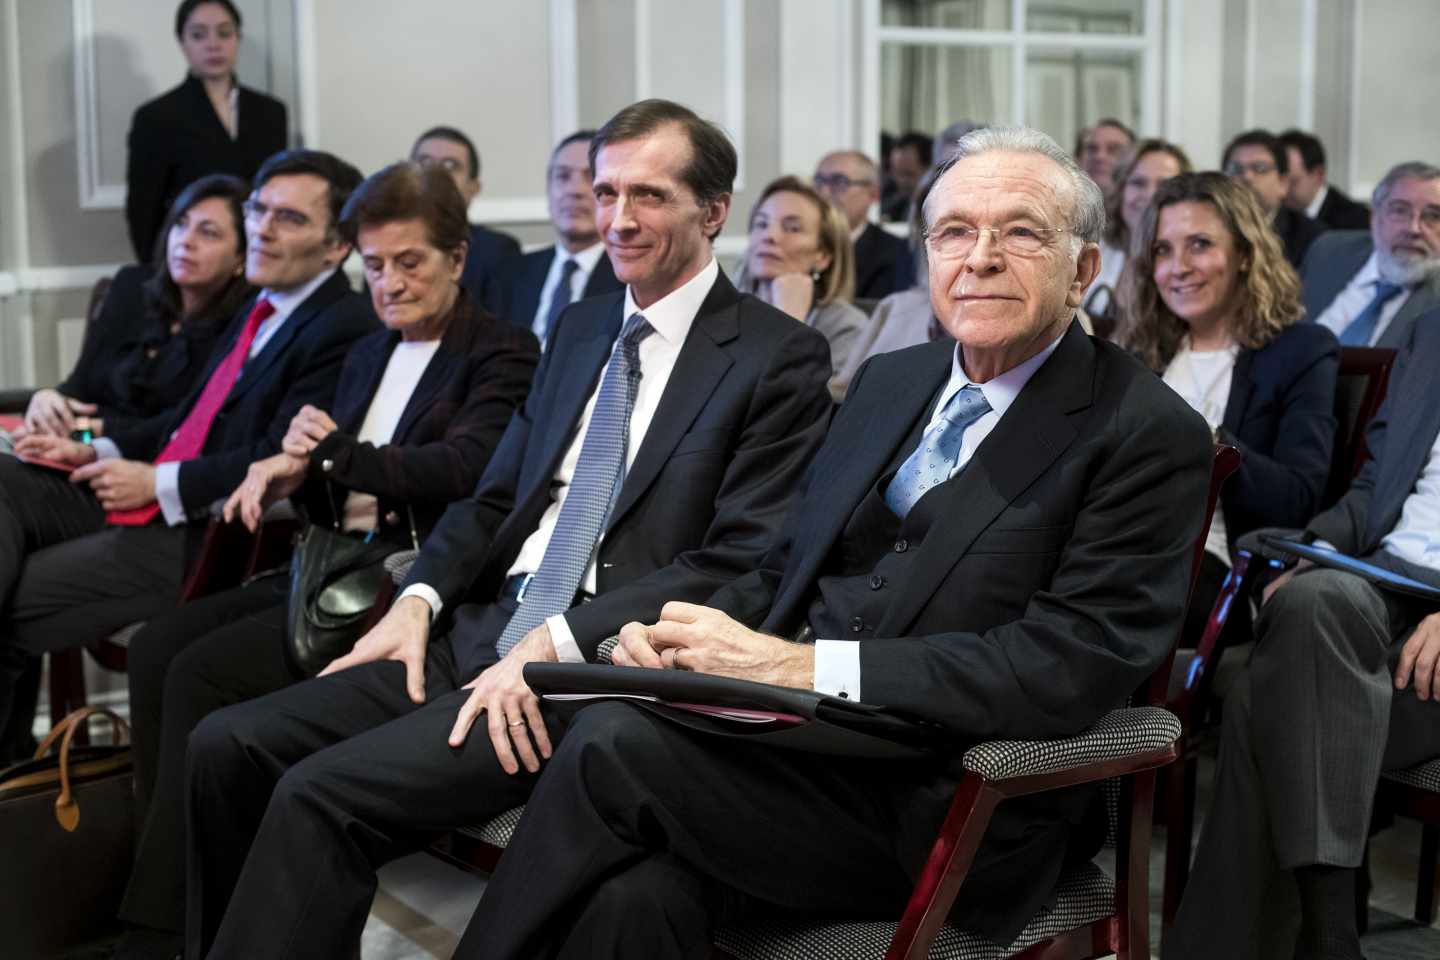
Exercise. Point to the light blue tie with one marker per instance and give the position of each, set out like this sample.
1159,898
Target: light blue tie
938,451
1362,328
598,477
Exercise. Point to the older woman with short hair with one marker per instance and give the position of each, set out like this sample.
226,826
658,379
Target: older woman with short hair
1209,302
800,259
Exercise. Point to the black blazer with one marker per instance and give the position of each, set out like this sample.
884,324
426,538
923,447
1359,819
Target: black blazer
1339,212
513,292
742,413
1296,232
1400,439
300,364
451,425
130,364
488,248
1333,262
880,259
1281,416
1051,584
176,139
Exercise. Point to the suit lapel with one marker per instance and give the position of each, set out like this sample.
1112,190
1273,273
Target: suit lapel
1397,332
368,366
1414,423
575,378
1241,387
602,278
254,370
454,346
1034,432
537,268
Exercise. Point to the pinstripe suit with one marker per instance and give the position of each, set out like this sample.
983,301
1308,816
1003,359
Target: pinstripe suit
1316,718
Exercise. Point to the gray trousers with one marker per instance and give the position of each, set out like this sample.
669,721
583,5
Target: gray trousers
1308,730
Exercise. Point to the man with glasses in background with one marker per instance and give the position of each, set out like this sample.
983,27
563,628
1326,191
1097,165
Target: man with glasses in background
1368,286
851,181
1258,158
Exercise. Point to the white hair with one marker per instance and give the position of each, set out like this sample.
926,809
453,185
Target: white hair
1087,214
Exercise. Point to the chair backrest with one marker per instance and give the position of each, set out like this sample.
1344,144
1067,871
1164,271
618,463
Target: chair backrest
1364,376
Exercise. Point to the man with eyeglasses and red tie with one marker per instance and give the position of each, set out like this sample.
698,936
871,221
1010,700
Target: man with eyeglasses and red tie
120,557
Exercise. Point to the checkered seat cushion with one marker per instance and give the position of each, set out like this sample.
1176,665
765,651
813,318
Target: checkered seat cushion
1426,776
1120,733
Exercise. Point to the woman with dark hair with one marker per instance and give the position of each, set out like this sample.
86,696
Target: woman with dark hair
208,124
1209,302
420,408
1150,164
158,322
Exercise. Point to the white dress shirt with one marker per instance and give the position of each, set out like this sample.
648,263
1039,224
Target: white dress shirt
167,475
1352,301
837,662
1107,281
1313,211
1202,379
585,262
1416,536
671,316
403,371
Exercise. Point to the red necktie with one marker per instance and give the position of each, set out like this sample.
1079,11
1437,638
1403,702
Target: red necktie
187,442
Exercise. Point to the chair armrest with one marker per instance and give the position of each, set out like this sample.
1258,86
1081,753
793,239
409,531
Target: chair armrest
398,565
1129,734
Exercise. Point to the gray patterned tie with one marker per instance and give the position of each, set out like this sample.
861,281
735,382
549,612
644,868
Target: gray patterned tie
931,462
597,480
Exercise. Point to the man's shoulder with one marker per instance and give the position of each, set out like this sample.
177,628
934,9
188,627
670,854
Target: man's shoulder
343,312
1134,392
1333,245
492,244
765,324
162,107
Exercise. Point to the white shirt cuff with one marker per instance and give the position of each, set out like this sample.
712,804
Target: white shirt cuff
837,668
105,448
565,646
167,492
424,592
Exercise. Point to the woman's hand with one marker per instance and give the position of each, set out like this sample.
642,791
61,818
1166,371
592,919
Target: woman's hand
793,293
267,481
44,446
310,426
51,412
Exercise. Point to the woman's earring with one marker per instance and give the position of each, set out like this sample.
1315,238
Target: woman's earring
815,274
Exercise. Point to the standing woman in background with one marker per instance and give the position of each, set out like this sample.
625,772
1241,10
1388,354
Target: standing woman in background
208,124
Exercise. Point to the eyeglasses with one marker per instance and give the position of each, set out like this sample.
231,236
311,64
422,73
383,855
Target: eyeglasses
562,174
1259,168
284,216
1398,211
954,240
448,164
838,182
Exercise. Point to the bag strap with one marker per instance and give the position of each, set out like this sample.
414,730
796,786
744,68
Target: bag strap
67,812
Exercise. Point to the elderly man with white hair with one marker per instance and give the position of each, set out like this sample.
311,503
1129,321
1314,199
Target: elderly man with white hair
995,538
1368,286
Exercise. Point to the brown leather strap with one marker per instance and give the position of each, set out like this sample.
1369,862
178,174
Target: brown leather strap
66,810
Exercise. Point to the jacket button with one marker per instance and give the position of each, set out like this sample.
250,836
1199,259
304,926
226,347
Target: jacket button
902,545
856,624
391,517
876,581
327,465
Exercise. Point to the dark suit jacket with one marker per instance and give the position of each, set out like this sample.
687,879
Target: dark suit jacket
1296,232
1339,212
880,261
299,364
451,425
741,415
488,248
1281,416
1400,439
1333,262
1050,586
513,292
176,139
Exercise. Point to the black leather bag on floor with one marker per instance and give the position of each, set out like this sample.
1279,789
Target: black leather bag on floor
67,834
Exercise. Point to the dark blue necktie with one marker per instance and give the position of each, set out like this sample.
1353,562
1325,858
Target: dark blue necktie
597,480
560,298
1362,328
931,462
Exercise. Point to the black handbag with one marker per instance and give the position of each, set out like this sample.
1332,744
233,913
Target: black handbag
335,581
67,832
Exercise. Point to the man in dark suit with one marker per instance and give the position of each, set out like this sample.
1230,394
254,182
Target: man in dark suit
1258,158
1307,189
640,469
449,148
968,551
851,181
533,290
1369,287
121,559
1343,685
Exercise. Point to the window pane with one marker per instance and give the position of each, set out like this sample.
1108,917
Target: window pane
950,14
1089,16
1067,89
927,88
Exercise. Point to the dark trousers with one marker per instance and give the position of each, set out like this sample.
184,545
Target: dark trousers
1308,729
222,649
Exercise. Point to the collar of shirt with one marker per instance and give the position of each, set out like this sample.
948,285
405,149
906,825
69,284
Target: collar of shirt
585,260
672,314
285,303
855,234
999,391
1313,211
